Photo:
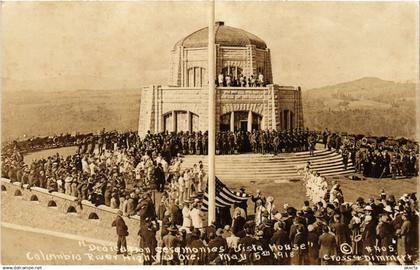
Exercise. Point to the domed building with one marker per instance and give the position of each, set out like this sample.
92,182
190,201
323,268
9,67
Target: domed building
246,97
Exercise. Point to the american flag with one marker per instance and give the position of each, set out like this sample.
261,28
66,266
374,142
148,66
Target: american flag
224,196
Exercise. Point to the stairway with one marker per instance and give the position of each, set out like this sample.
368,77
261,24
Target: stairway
269,168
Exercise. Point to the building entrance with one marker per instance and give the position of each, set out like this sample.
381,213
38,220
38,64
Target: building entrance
244,125
240,120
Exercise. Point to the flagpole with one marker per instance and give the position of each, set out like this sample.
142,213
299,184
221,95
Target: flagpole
212,121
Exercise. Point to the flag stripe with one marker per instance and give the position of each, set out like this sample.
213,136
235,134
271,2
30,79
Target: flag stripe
224,196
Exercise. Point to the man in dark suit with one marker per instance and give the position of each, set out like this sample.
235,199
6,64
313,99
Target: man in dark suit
160,177
300,244
327,246
145,207
411,166
385,233
247,242
341,231
147,235
170,241
196,243
122,232
238,223
313,246
217,245
280,239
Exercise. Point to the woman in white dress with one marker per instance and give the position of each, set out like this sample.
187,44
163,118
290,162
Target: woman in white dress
186,222
270,207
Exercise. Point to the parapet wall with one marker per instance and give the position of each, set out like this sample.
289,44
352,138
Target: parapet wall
67,205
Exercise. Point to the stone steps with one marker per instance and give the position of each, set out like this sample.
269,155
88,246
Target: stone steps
268,168
280,156
264,158
276,165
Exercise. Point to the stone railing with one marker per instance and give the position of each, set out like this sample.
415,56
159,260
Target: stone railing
66,204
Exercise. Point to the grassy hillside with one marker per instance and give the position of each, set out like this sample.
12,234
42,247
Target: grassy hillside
44,113
368,105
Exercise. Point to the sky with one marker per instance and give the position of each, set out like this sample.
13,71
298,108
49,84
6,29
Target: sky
109,45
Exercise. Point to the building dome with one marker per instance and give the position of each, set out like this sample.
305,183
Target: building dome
225,36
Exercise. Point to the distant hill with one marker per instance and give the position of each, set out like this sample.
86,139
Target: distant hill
368,105
34,113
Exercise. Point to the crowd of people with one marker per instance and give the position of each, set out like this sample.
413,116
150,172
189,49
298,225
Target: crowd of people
113,169
229,80
120,169
372,160
316,185
185,143
266,142
381,230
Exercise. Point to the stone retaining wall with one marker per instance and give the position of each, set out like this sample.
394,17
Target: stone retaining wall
66,204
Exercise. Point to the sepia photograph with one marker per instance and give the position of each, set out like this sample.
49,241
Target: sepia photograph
212,132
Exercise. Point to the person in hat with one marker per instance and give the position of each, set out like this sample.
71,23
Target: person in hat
147,234
385,232
122,233
160,177
176,212
226,231
388,209
313,246
320,222
259,210
196,243
341,231
239,209
327,246
355,234
263,241
238,223
186,218
368,230
197,216
247,242
404,242
131,204
258,199
300,245
170,241
297,223
368,210
270,207
280,240
218,245
244,203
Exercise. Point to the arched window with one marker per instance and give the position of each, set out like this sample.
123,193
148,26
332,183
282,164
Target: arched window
197,77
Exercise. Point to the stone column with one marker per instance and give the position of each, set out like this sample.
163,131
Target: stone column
173,121
249,128
156,93
189,126
232,121
162,124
